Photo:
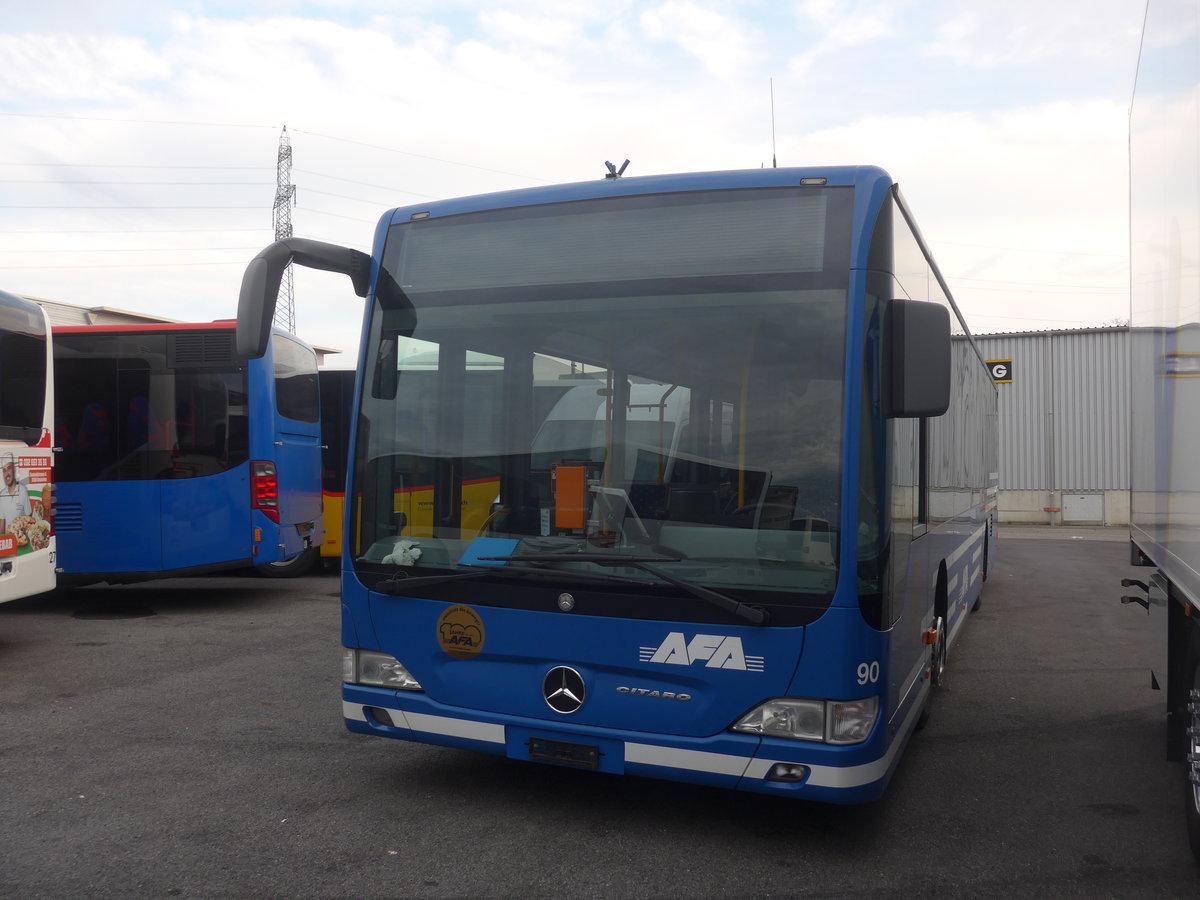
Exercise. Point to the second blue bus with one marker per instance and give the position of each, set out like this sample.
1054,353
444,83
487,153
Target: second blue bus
177,456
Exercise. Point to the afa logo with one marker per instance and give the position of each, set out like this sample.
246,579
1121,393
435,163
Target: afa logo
716,651
460,632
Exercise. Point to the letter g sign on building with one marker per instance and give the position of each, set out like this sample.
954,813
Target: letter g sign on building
1001,370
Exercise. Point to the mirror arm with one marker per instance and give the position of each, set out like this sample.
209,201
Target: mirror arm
263,275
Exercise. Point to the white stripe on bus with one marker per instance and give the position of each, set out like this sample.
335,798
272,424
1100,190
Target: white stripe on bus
444,725
966,545
654,755
691,760
461,728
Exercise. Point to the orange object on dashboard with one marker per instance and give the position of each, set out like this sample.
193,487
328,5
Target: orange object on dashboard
570,492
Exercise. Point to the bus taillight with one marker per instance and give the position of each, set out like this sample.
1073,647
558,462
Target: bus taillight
264,489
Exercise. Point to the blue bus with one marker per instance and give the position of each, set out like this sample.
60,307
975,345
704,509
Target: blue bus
739,457
177,456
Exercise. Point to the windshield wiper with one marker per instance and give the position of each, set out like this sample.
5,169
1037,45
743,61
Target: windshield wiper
755,615
397,584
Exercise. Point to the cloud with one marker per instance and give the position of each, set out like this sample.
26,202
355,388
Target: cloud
1019,33
837,26
46,67
721,43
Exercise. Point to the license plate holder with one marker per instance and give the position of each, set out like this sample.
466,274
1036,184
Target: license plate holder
564,753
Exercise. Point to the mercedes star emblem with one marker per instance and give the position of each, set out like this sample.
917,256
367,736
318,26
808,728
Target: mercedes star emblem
564,690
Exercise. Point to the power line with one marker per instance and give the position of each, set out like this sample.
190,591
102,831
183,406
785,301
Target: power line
137,231
1046,289
321,212
450,162
1019,318
74,251
92,183
141,183
63,165
961,278
1022,249
328,137
162,265
16,115
122,206
379,203
367,184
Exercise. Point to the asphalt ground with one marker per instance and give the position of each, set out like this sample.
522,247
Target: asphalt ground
183,738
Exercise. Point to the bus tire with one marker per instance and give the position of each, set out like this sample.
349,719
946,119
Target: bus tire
300,564
937,668
1191,741
937,652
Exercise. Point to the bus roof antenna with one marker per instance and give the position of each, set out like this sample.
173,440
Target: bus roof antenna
773,163
613,171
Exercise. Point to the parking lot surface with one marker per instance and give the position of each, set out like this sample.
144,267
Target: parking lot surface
183,738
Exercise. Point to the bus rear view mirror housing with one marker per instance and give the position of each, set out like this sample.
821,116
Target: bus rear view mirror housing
916,359
260,284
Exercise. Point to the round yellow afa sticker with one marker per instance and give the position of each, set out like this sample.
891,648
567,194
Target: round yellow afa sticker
460,632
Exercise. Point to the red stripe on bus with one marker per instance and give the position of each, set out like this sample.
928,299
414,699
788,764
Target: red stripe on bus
222,325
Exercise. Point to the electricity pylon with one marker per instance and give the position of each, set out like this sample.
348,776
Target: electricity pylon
285,198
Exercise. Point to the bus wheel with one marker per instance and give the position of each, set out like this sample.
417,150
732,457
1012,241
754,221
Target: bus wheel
937,668
300,564
1191,741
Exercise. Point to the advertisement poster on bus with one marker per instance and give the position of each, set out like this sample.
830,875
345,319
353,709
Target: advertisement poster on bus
26,504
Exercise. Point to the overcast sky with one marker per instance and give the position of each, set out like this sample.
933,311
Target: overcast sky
139,140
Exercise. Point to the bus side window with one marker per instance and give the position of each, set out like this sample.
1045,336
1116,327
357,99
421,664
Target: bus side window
185,426
137,423
93,429
233,440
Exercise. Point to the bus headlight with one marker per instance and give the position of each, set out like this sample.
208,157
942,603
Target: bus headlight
787,717
377,670
850,722
829,721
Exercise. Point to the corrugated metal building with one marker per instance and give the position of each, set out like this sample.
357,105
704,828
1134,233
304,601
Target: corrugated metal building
1064,425
60,313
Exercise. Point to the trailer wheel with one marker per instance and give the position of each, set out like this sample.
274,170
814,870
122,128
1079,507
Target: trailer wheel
1191,741
298,565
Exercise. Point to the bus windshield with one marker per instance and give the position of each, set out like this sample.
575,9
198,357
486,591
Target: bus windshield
655,377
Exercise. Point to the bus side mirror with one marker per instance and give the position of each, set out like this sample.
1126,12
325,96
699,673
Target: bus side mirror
917,359
260,284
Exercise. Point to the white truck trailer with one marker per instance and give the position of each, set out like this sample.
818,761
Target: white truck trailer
1164,153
